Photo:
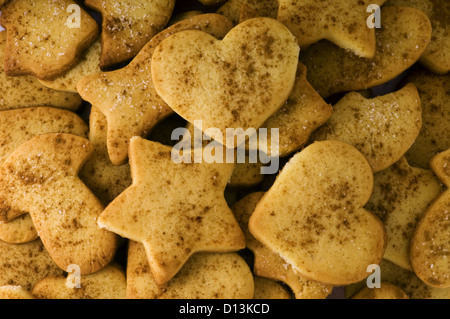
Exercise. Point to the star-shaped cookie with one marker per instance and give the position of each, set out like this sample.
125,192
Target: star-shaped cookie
127,96
342,22
174,209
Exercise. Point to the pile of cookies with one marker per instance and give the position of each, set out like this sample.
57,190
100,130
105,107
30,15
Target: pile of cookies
355,96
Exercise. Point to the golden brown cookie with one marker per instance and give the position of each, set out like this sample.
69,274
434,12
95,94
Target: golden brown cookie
25,264
400,197
386,291
401,41
382,128
127,96
26,91
236,83
105,180
430,244
340,21
204,276
313,215
108,283
41,39
434,136
270,265
19,126
41,177
174,209
437,55
128,25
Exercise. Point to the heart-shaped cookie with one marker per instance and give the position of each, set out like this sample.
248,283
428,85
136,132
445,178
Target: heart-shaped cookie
127,97
270,265
313,215
236,83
